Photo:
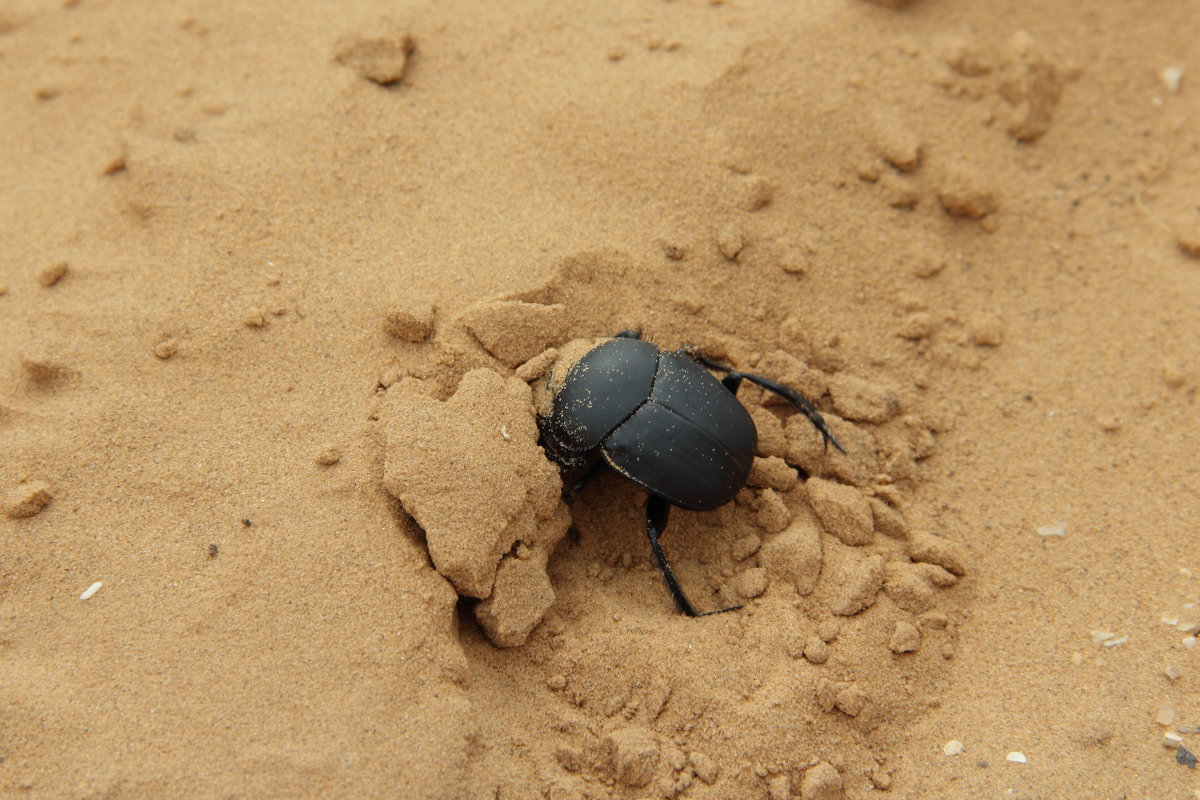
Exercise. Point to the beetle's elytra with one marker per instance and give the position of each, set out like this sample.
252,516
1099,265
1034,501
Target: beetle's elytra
663,421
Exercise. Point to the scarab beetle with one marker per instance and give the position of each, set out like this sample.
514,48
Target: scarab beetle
663,421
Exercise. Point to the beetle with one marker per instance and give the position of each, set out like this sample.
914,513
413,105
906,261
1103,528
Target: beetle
662,420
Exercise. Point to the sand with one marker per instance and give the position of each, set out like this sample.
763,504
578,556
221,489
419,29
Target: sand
254,252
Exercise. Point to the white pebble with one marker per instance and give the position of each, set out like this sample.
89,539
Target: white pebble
1055,529
1190,642
1166,715
1171,78
91,590
1115,642
953,747
1017,758
1167,620
1172,739
1100,637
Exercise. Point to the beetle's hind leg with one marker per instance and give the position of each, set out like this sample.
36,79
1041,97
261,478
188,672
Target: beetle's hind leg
657,511
733,379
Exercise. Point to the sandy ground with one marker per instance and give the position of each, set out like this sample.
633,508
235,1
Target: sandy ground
970,230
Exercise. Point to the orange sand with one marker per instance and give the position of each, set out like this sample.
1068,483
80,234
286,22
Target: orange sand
234,232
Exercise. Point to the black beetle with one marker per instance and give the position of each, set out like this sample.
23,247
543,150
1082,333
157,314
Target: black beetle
663,421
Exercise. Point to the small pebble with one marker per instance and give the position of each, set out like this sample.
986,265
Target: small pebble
829,629
166,348
928,267
730,242
1117,641
1171,739
329,456
27,499
254,319
674,252
953,747
905,639
113,165
896,143
1189,242
382,60
1017,758
52,274
557,682
964,194
1173,373
754,193
1191,642
1056,529
1165,715
816,650
91,590
1172,77
987,330
1173,673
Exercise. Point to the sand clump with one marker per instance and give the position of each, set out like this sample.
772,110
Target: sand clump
382,59
27,499
514,331
471,473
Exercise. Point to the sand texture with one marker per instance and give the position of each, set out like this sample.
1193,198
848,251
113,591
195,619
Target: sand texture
283,288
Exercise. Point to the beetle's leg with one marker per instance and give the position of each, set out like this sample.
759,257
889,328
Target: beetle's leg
734,379
657,511
583,479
